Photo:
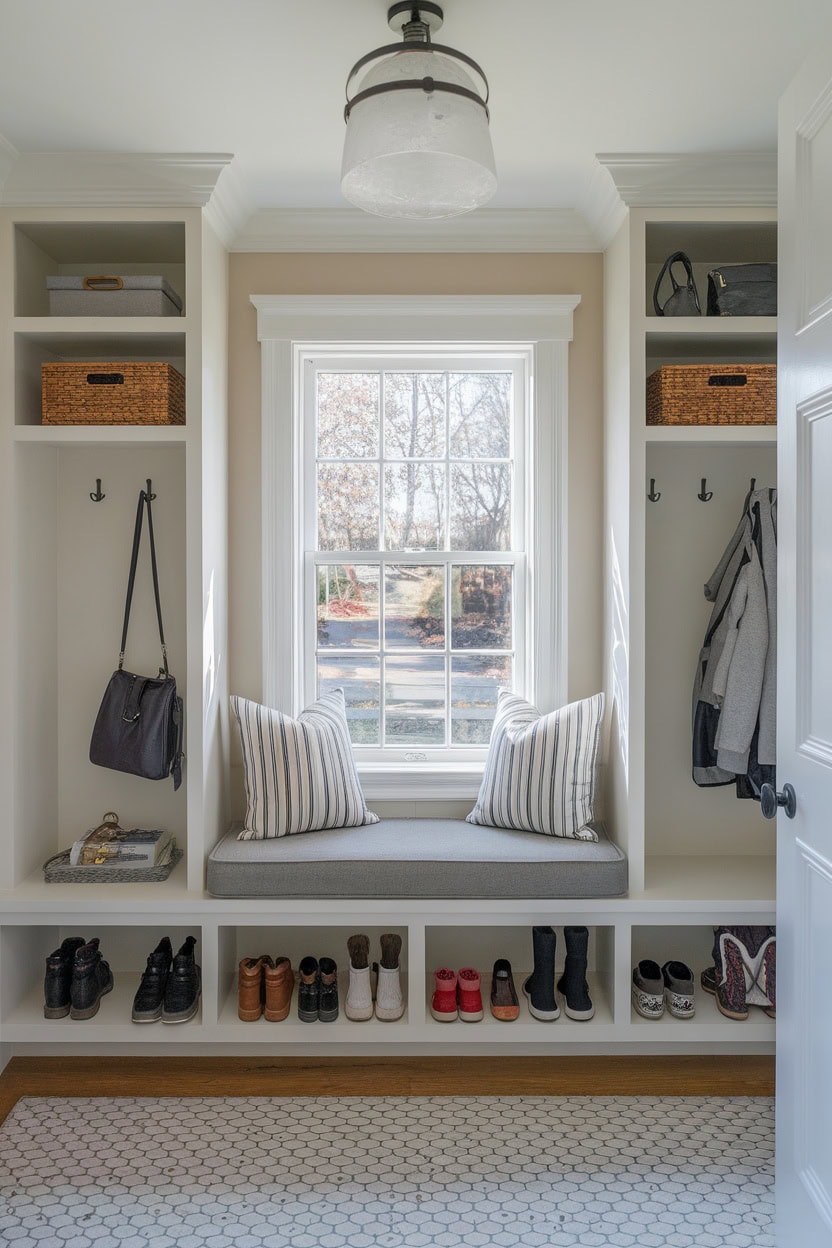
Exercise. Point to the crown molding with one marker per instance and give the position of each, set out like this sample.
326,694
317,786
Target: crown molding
229,207
715,179
602,206
349,230
112,179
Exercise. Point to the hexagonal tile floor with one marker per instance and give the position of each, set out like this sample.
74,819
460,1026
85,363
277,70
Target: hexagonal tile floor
387,1172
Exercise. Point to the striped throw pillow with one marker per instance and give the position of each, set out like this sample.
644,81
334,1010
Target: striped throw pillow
300,773
540,771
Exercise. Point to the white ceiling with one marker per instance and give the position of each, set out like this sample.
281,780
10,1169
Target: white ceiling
264,80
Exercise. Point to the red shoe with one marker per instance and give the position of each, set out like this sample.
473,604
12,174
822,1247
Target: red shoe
469,997
443,1006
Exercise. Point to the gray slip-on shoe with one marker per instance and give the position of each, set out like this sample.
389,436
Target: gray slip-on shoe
678,989
648,989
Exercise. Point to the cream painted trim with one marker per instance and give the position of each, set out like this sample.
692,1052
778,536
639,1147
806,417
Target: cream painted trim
672,179
288,324
113,179
347,229
415,318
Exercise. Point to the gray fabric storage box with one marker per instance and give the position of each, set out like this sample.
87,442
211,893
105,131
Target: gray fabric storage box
417,858
139,295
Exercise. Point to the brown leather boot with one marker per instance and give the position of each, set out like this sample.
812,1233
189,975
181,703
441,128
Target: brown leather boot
250,988
280,984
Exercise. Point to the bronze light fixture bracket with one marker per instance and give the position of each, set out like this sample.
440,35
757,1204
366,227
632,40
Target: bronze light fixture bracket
415,22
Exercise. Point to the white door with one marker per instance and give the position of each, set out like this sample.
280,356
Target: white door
804,687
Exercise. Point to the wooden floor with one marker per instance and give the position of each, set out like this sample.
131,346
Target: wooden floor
385,1076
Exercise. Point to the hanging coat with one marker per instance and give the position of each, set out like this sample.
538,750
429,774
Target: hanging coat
734,696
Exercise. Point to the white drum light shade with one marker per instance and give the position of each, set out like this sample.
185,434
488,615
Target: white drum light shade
413,153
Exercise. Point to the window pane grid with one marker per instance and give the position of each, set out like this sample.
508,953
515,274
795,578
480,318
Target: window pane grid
428,694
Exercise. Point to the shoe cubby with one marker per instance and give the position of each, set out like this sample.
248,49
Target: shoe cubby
67,643
24,950
480,947
93,248
693,945
296,943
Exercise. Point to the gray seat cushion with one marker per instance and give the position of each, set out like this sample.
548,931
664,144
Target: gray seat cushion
417,858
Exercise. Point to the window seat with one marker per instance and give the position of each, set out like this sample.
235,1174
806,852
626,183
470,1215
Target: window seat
417,858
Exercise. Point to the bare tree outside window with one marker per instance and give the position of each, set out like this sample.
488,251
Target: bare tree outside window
414,470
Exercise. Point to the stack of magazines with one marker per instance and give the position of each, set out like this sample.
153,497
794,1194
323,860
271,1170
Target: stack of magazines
110,845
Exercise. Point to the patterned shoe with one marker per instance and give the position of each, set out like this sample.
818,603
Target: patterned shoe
769,978
648,989
678,989
730,976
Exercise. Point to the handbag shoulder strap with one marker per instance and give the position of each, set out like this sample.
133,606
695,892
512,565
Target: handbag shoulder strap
667,268
144,501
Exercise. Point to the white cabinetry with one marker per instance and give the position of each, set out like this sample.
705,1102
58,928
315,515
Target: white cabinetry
696,858
702,844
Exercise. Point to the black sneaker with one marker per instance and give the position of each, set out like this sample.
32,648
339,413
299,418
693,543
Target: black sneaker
183,987
328,996
91,980
309,990
147,1003
58,978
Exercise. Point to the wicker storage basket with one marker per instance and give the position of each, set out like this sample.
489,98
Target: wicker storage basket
57,870
130,393
712,394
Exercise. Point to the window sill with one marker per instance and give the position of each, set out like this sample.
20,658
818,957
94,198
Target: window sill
411,782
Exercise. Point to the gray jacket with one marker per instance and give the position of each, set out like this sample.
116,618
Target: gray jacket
735,687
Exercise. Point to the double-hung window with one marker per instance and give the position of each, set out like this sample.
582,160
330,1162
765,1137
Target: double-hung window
415,541
414,502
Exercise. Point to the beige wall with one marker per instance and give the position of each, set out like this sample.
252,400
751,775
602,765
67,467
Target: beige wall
279,273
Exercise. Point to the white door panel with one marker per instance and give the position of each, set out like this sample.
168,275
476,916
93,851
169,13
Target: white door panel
804,658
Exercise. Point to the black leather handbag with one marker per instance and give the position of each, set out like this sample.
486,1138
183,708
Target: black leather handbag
684,300
743,290
138,728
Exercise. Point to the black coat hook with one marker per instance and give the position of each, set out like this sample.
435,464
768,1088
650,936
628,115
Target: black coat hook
97,496
705,495
753,485
148,493
653,496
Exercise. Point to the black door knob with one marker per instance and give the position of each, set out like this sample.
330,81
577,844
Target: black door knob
770,800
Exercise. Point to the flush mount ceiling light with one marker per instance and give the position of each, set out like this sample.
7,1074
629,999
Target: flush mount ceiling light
418,144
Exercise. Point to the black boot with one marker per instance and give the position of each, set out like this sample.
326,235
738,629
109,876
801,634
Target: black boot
183,987
150,994
572,984
539,988
328,998
58,978
91,980
309,990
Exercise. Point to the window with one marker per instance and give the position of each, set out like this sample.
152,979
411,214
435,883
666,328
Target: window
413,519
414,545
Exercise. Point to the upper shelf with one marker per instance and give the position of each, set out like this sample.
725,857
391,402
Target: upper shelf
93,249
712,435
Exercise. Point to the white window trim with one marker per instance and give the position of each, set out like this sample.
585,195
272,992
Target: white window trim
289,326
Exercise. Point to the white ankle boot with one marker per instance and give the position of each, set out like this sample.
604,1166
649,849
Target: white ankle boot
359,1003
389,1000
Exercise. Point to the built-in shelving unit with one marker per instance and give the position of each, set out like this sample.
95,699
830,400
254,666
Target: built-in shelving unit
709,854
696,860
